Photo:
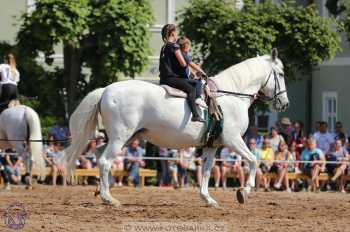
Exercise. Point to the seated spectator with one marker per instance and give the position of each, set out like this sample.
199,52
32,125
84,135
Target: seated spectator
173,167
118,165
134,156
315,163
186,164
216,171
281,168
259,175
339,170
60,132
88,160
3,173
298,136
11,162
267,156
164,167
52,154
231,164
275,138
296,166
253,134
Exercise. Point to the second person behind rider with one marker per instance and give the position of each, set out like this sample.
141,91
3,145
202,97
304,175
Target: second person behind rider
171,62
185,44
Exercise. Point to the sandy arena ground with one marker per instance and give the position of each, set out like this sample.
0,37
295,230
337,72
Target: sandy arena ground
76,209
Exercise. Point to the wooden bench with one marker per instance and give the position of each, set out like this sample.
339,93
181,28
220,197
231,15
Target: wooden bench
294,176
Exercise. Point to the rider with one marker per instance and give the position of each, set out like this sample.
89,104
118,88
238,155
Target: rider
9,77
170,62
185,44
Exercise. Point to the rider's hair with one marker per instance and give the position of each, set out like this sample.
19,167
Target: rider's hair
183,41
167,30
10,60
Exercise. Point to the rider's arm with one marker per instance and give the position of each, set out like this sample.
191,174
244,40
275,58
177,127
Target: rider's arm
195,67
180,58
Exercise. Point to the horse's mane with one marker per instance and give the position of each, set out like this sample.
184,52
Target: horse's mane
240,76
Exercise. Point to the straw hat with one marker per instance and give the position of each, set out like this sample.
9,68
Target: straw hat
285,121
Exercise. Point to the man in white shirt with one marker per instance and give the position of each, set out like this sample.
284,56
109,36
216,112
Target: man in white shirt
323,138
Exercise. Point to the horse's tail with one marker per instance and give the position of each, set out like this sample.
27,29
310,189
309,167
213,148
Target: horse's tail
82,125
35,143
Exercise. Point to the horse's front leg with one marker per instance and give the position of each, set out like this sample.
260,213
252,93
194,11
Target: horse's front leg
208,156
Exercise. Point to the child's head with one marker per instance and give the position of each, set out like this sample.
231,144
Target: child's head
184,43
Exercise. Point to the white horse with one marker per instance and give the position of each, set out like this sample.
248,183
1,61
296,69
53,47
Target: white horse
131,109
20,124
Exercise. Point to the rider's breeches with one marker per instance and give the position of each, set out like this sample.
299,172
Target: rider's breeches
184,85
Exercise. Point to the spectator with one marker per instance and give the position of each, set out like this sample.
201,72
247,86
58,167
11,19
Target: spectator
266,159
275,139
253,134
323,138
339,170
12,168
259,175
59,131
298,136
52,154
232,164
281,168
296,166
286,129
315,163
216,170
186,164
118,165
88,159
134,161
3,173
339,133
164,167
173,167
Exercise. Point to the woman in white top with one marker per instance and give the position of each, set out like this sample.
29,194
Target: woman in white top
9,77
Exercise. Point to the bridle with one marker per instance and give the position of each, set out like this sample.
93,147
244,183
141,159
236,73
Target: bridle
277,90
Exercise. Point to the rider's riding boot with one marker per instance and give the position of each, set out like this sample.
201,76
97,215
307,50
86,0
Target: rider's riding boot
195,115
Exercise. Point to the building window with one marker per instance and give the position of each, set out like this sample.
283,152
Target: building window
264,121
330,107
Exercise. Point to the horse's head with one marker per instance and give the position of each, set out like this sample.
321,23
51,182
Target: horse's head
274,86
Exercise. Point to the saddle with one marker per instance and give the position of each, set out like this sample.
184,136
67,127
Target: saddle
214,115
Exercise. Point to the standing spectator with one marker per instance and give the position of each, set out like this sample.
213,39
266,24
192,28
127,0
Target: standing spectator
281,168
286,129
340,154
59,131
267,156
315,163
275,139
323,138
253,134
134,161
232,164
340,134
259,175
3,173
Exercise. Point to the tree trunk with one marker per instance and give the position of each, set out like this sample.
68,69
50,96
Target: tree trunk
72,72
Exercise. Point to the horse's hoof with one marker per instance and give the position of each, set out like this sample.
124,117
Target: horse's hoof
241,196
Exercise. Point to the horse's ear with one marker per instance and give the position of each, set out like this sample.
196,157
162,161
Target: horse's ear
274,54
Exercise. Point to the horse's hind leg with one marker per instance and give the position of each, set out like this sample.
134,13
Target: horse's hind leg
112,150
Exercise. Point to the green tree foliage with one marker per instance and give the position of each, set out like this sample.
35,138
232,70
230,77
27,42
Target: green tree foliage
110,36
224,36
